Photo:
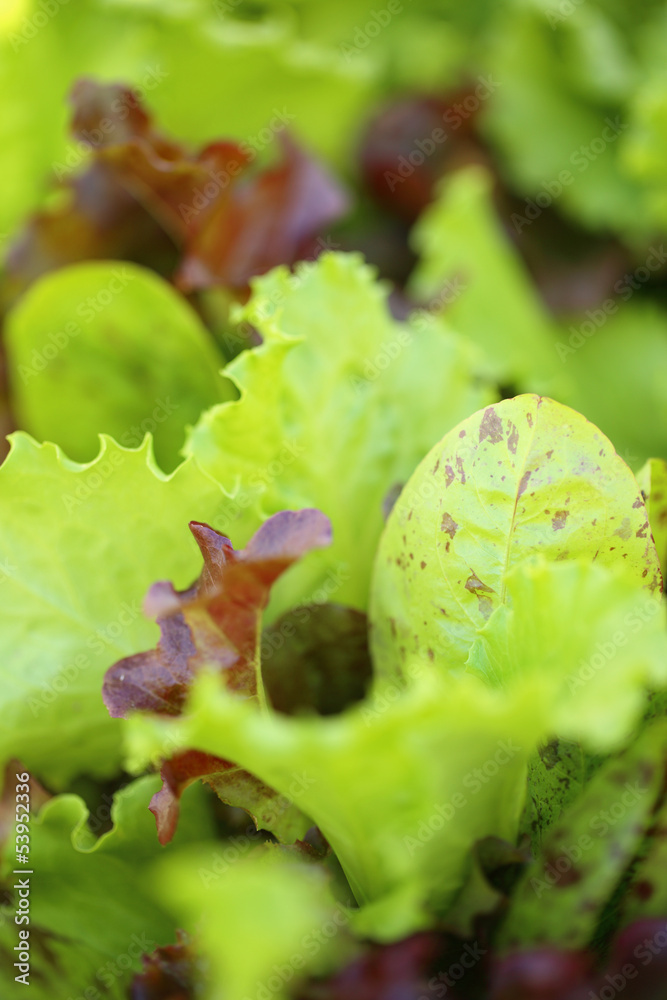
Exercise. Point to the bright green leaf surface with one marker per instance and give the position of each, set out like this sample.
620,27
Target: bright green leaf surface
110,348
337,406
558,117
401,786
79,546
265,915
522,477
595,672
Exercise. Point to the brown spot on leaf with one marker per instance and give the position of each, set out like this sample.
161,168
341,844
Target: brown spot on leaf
450,476
525,479
491,426
449,525
480,590
625,529
459,466
559,519
513,439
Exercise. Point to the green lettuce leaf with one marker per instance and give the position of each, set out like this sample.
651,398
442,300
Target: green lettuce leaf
91,915
262,926
522,477
401,786
652,478
615,355
563,894
468,268
557,774
594,674
337,406
79,547
110,348
565,77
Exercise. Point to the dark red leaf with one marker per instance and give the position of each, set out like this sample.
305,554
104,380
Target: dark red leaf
269,219
411,143
164,176
216,621
96,219
637,967
146,198
424,966
542,974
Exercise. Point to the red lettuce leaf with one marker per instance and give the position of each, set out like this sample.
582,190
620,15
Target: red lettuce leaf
215,622
145,198
269,219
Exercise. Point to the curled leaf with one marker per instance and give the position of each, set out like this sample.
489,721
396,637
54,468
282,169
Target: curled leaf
215,622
